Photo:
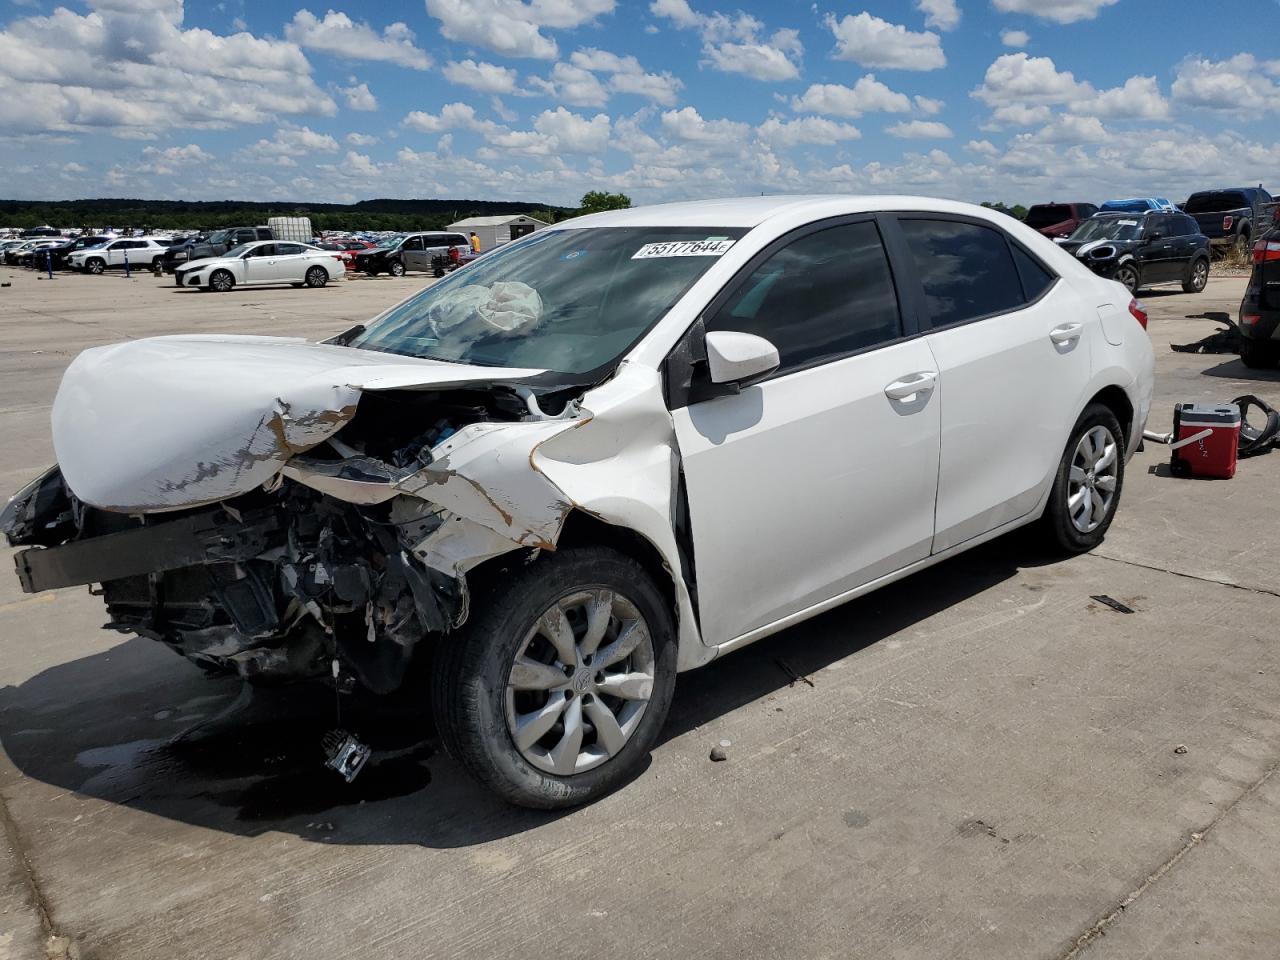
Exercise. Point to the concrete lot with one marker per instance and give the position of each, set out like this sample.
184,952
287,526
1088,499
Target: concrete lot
978,762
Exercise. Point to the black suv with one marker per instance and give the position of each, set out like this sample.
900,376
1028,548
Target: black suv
213,245
1260,308
1139,249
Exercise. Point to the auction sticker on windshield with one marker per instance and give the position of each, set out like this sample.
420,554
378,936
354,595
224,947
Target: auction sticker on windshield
710,247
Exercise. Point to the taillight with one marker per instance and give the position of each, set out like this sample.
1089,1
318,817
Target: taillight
1139,312
1266,251
1249,319
1227,222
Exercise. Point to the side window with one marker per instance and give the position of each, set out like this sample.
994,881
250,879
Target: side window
118,245
458,240
1035,278
821,297
966,270
266,250
413,243
1186,227
289,249
1158,226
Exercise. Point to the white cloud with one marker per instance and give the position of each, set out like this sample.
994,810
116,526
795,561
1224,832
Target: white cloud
288,145
358,165
868,95
170,160
1059,11
1073,129
115,69
942,14
361,139
873,42
1018,77
359,97
1018,115
688,124
928,105
1138,99
74,167
627,76
452,116
920,130
1239,84
571,133
340,36
781,133
982,147
737,44
485,77
571,85
511,27
1015,38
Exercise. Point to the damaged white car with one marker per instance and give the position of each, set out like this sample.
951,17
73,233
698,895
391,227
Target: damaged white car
600,455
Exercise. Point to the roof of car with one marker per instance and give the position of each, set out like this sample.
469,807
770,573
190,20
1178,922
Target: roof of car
753,211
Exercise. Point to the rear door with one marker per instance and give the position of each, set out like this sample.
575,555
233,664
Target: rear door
822,478
291,262
1012,345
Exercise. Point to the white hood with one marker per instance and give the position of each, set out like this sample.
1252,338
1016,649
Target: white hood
174,422
205,262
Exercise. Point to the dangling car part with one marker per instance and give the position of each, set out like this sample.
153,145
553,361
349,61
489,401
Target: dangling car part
601,454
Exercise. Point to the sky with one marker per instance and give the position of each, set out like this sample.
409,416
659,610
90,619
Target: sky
1020,101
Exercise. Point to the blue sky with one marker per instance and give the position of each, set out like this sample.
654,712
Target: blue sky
1015,100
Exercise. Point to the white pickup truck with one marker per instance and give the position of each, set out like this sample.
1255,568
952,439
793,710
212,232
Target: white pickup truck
140,253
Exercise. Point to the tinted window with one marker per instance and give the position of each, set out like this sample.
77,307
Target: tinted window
289,249
1035,278
966,270
1047,215
1216,201
413,243
1184,226
823,296
265,250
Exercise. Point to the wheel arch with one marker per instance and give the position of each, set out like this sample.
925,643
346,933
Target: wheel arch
1114,398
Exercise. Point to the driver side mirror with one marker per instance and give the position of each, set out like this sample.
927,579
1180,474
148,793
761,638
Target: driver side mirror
739,358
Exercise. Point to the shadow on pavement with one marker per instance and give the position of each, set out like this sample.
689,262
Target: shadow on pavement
1233,369
138,726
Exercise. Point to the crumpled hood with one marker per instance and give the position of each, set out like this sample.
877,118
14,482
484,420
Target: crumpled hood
174,422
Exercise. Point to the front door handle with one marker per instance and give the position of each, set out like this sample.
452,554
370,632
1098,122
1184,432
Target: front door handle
911,385
1066,333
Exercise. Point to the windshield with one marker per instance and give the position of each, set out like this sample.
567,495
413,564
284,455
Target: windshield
570,301
1108,228
221,236
1047,216
390,243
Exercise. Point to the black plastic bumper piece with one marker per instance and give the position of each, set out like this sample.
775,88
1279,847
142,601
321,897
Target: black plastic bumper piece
211,536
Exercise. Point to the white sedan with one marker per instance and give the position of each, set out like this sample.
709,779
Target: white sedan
602,454
261,263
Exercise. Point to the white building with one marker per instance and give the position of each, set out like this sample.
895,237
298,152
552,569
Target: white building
495,231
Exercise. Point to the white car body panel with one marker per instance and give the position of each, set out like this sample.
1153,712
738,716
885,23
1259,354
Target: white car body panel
860,506
803,491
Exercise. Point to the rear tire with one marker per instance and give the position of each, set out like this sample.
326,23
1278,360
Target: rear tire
1259,354
478,702
317,277
1087,472
1243,245
1198,277
1128,275
221,281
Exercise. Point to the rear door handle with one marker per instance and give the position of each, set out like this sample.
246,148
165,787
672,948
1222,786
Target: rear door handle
1066,333
912,384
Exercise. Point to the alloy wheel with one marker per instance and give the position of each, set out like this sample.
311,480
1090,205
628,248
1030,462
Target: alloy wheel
1092,482
580,682
1199,275
1129,277
220,281
316,277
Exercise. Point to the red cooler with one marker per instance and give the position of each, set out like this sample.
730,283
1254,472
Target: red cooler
1206,437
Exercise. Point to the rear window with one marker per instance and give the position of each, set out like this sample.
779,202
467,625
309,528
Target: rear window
966,270
1047,215
1217,201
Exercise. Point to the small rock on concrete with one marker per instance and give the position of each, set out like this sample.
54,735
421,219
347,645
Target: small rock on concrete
718,754
1180,748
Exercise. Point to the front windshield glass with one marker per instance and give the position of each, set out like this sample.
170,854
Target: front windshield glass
571,301
390,243
1109,228
220,236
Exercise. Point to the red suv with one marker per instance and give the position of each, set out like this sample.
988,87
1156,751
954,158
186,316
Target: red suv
1059,219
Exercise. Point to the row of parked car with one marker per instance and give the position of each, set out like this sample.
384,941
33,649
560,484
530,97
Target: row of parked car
1147,240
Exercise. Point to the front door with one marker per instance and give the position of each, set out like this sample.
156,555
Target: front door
822,478
260,265
1012,347
414,252
1157,254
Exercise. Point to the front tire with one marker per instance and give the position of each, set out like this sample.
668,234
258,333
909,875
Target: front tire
1086,490
1259,354
559,686
221,281
95,266
1127,274
1198,278
396,269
